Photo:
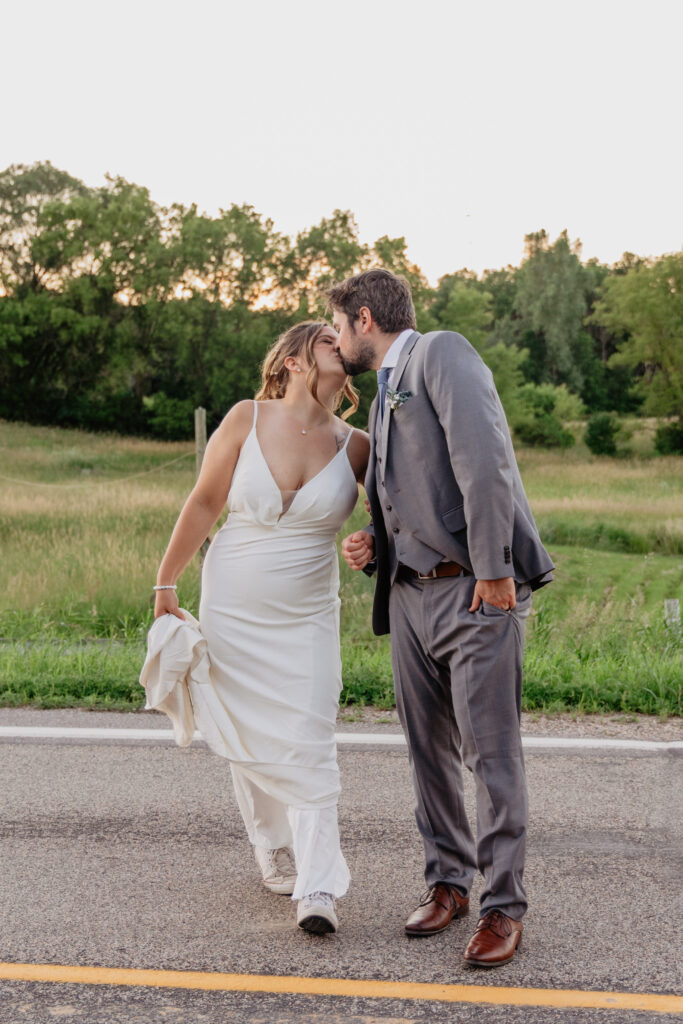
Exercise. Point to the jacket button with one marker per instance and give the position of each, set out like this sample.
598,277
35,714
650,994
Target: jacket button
395,529
379,458
388,508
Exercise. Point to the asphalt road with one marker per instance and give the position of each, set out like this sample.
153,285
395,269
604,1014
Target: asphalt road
133,855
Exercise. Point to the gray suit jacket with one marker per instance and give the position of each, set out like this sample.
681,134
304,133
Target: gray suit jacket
446,459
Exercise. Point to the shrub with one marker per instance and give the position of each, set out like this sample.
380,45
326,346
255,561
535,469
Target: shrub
120,411
535,421
544,430
568,406
557,399
169,418
601,433
669,439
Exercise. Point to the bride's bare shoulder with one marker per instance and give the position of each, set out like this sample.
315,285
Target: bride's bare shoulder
359,451
237,422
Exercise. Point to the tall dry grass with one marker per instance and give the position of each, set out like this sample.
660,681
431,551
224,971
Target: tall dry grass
84,520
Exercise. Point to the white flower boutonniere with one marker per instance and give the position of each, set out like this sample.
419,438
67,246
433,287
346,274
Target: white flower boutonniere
395,399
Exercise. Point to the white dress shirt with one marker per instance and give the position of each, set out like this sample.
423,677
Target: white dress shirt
393,353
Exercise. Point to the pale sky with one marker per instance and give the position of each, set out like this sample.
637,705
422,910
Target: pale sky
461,126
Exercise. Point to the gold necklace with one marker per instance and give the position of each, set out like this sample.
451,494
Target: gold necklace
305,430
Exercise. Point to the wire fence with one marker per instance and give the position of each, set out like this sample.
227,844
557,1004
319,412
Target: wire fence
98,483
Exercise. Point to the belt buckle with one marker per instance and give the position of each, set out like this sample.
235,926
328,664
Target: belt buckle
427,575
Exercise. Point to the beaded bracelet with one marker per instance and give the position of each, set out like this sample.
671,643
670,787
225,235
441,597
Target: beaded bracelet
166,586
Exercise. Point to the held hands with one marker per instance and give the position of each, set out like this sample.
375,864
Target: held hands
358,549
500,593
166,602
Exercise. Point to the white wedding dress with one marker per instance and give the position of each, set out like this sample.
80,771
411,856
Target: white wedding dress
270,616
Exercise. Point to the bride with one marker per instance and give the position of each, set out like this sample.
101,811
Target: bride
288,469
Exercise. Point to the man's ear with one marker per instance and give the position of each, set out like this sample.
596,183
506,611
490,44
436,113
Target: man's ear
365,320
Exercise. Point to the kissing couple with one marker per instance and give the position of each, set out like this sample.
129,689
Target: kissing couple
455,554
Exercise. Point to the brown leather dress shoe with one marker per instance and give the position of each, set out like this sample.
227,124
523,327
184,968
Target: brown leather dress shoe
495,941
438,906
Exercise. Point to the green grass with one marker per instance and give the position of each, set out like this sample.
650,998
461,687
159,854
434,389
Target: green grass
55,674
608,537
81,539
603,673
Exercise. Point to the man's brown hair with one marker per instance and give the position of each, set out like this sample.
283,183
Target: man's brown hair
386,295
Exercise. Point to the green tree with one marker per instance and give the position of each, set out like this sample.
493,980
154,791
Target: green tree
605,387
114,234
551,302
643,307
321,255
502,287
505,363
506,327
105,255
232,258
458,305
24,194
53,349
461,303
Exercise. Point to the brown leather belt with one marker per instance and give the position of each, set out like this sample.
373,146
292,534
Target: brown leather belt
439,571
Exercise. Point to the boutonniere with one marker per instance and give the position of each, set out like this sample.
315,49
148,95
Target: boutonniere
395,399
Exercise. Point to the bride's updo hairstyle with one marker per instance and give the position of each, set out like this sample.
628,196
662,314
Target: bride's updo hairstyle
298,341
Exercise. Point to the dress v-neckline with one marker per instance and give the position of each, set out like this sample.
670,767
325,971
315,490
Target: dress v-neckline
298,490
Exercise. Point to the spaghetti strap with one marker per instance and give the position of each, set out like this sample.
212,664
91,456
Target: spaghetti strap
256,414
348,438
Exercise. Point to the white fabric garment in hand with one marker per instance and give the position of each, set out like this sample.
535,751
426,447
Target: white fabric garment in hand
178,680
176,653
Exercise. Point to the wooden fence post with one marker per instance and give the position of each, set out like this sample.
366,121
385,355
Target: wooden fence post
672,614
200,448
199,436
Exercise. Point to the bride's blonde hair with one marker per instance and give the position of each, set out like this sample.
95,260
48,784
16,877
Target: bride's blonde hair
299,341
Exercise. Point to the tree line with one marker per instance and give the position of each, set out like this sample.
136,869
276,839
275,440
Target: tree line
119,314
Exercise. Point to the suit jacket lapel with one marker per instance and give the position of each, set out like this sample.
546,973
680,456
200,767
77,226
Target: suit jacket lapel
372,420
372,461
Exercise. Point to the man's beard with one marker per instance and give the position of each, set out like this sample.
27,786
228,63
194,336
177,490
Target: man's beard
362,359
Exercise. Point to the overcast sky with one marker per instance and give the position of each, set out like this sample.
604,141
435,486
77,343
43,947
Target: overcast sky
461,126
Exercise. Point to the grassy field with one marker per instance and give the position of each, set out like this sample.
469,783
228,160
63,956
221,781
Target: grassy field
85,518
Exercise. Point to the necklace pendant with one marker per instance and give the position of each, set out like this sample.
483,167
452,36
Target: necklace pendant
304,431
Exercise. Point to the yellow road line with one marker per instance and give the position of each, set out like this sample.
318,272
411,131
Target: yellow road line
364,989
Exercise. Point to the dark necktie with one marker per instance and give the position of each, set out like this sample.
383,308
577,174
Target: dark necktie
383,375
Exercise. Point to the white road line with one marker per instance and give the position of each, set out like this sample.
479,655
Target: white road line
596,743
392,739
57,732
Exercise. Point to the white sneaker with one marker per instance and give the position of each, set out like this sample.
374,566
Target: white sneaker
315,913
278,869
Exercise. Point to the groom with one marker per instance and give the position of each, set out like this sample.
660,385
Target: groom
457,555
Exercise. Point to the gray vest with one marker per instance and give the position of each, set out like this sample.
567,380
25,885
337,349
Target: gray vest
404,547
